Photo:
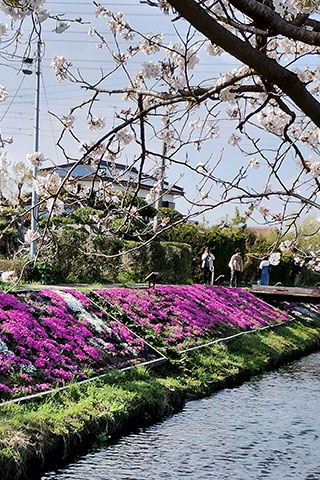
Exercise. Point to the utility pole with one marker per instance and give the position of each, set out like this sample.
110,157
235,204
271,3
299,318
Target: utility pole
161,177
34,201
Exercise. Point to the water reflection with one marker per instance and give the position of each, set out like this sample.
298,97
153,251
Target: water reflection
266,429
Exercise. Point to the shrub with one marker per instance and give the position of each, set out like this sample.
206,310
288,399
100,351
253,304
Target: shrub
79,257
19,266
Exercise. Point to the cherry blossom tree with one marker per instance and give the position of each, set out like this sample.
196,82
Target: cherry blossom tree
271,97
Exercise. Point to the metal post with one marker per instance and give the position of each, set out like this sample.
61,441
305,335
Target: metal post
34,201
161,176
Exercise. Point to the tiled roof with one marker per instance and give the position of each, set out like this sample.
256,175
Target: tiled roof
109,171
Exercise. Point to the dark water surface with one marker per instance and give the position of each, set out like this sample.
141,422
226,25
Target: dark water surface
268,428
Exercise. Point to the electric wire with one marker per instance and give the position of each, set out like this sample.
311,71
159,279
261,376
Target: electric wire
50,119
12,100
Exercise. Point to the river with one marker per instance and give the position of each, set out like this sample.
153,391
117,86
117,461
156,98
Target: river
267,428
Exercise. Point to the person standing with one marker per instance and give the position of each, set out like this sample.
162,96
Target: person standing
294,273
236,267
264,269
207,259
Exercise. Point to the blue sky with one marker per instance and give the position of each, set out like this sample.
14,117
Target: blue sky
17,113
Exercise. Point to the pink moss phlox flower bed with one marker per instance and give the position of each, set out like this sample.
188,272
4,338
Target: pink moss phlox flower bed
183,316
48,339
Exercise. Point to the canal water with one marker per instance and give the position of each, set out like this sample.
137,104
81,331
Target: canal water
268,428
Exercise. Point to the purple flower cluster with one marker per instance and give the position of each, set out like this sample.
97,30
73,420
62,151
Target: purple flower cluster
48,339
305,310
182,316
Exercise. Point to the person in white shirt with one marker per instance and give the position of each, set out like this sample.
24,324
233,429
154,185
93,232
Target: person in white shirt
236,267
207,259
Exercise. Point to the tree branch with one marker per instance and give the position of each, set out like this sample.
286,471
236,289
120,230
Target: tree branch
266,67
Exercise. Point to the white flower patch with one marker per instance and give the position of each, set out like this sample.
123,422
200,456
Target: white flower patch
4,348
76,306
28,368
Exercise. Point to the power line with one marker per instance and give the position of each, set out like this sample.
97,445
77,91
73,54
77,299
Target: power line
50,119
12,100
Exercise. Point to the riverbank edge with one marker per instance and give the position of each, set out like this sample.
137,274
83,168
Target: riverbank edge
37,435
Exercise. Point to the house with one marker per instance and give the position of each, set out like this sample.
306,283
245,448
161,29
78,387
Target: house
123,178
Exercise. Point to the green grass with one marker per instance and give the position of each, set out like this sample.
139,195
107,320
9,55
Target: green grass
53,426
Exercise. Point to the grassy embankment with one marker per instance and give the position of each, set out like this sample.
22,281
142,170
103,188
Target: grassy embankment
33,433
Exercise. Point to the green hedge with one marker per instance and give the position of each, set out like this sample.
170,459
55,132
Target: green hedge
222,242
80,257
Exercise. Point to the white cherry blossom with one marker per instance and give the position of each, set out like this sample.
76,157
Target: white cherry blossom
35,159
124,136
68,121
55,206
30,236
150,43
151,69
3,93
274,258
61,27
97,123
9,276
234,140
286,245
254,163
3,28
